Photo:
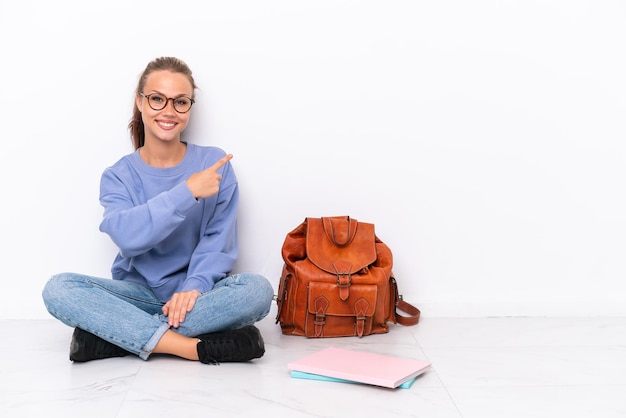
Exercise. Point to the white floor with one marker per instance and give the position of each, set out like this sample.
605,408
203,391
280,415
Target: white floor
481,368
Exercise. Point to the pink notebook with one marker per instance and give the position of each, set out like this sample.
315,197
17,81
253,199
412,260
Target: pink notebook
360,366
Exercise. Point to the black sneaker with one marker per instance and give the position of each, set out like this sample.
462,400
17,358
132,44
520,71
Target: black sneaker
86,346
236,345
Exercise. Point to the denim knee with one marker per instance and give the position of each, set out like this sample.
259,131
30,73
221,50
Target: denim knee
51,288
55,290
263,293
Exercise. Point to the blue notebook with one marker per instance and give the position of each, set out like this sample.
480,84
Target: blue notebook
311,376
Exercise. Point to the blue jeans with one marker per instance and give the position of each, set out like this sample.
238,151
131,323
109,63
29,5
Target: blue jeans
129,315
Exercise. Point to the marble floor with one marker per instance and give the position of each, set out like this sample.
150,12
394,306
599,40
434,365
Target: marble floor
481,368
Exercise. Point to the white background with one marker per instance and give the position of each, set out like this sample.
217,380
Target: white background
484,139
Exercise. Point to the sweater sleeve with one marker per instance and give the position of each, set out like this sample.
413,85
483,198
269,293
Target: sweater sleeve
217,251
136,228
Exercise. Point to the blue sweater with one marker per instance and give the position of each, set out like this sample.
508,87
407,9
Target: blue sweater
167,239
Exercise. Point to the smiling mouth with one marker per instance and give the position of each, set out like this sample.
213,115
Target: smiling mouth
166,125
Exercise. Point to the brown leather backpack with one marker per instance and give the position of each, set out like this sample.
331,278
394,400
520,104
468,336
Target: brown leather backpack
337,281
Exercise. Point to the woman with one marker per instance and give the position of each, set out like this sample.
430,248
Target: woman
171,208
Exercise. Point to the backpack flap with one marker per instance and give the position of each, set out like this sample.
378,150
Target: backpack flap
340,243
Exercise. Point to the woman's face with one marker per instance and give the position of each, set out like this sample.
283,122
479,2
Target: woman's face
172,90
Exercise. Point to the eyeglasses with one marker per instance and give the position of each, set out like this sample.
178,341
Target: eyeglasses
158,101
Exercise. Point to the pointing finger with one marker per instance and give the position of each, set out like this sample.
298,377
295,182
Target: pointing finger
220,163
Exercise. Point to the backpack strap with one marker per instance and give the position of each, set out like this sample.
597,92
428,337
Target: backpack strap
413,313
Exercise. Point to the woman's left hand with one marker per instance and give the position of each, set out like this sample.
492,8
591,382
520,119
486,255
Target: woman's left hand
177,307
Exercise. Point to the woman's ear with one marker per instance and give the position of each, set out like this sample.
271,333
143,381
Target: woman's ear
138,102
